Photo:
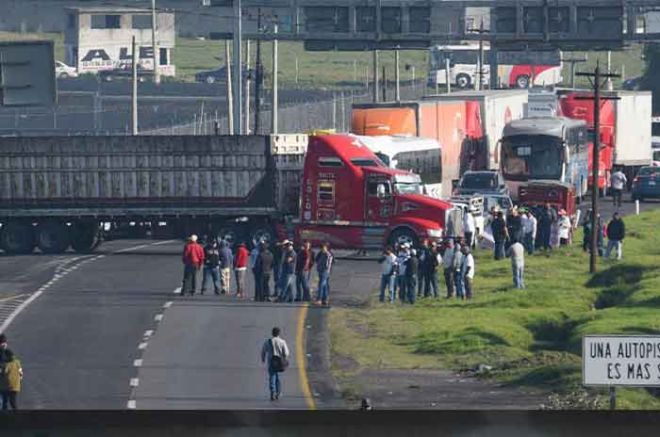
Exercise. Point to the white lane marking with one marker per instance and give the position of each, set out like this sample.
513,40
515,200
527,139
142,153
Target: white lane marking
137,363
167,304
62,272
148,333
177,290
134,382
131,405
164,242
142,345
158,317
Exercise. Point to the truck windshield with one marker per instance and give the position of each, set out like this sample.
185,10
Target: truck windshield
408,188
532,157
486,181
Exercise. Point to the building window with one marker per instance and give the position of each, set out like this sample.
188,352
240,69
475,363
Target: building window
71,21
420,19
141,21
106,21
365,19
163,59
391,19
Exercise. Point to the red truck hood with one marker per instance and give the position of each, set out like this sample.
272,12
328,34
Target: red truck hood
425,201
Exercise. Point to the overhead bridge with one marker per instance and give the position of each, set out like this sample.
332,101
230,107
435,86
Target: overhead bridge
412,24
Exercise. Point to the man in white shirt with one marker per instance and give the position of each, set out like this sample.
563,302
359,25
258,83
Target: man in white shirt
469,228
517,254
467,271
618,181
448,268
388,274
275,353
529,225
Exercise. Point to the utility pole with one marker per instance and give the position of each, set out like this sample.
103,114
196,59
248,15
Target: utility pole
258,79
572,62
247,87
376,78
154,43
397,88
274,93
480,62
230,94
384,86
448,74
134,106
238,74
610,86
597,76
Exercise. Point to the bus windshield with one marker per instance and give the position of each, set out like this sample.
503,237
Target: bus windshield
532,157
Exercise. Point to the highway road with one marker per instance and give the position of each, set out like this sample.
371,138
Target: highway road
106,331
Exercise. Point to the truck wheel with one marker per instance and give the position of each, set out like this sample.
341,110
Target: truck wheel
262,233
403,235
17,238
84,237
463,80
52,237
522,81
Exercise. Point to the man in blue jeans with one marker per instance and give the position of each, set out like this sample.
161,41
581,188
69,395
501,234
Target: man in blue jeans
324,260
388,274
288,273
273,351
500,234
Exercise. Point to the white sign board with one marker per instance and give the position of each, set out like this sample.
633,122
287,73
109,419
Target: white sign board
621,360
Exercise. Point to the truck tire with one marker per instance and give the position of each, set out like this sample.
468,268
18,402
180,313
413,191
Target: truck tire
463,81
522,81
84,237
262,233
403,235
17,238
52,237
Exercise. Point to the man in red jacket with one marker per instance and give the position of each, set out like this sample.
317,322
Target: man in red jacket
240,267
193,260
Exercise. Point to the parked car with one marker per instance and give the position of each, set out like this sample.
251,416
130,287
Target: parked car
220,75
125,73
63,71
646,184
632,84
481,182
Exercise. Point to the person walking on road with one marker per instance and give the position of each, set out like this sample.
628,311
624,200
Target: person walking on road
265,265
529,225
255,267
304,263
517,254
240,269
324,261
618,181
616,232
287,273
226,263
467,271
500,234
193,259
211,266
11,374
388,275
275,354
448,268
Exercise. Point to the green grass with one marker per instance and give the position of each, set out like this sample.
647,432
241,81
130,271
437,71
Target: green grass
531,337
627,62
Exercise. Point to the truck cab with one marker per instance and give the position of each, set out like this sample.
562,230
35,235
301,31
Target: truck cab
351,199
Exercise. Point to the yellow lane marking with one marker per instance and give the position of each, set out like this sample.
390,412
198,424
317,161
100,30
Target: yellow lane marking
301,359
7,299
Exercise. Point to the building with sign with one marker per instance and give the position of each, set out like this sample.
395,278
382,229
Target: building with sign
100,39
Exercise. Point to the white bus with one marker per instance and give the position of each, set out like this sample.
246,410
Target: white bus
519,69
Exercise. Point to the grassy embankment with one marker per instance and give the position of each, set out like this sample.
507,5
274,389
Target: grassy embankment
530,338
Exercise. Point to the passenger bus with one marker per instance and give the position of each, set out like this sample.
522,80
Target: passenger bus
516,69
548,149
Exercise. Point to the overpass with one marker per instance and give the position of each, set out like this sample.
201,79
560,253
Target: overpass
412,24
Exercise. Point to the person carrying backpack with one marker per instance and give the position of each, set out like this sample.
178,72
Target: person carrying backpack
275,353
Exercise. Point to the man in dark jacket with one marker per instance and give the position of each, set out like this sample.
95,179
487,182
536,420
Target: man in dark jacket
412,270
586,238
514,228
616,232
287,273
211,266
547,217
423,257
304,263
431,271
265,264
500,234
324,260
226,264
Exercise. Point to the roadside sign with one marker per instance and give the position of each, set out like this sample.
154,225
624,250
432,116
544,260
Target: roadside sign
27,73
613,360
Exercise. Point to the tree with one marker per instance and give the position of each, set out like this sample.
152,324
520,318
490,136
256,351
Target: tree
651,79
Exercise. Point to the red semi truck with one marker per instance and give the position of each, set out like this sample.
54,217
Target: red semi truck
625,130
55,192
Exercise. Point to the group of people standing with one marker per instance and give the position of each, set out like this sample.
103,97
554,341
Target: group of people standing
414,272
289,270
